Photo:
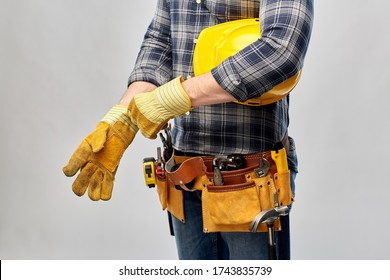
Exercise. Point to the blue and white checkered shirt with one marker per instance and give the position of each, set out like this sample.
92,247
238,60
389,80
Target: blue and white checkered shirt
167,52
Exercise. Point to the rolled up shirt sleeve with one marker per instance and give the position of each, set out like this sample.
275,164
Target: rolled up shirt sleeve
154,60
278,55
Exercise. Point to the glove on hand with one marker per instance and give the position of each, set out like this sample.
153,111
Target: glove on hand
151,111
99,154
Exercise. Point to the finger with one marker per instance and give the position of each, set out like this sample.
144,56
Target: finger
82,181
95,185
107,186
78,159
99,137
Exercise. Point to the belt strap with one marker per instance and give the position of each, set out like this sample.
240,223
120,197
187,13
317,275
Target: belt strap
182,170
195,166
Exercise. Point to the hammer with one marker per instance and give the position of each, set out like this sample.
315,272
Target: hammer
269,216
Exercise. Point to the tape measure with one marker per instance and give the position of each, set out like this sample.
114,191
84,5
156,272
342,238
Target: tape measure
149,168
153,168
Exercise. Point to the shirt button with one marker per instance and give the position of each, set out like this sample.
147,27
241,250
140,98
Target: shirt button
198,1
195,40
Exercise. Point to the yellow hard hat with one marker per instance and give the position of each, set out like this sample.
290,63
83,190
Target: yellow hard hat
218,42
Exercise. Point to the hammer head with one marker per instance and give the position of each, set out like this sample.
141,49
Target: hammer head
268,216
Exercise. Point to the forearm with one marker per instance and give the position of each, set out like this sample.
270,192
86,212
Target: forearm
204,90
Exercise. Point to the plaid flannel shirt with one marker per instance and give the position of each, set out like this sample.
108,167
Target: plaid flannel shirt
167,51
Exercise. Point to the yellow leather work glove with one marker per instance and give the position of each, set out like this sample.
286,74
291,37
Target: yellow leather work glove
99,154
151,111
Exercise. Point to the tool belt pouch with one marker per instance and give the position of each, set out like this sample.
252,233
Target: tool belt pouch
231,208
162,191
170,198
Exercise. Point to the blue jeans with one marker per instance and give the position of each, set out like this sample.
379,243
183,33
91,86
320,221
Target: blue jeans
193,244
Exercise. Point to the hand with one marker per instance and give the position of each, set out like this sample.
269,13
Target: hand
99,154
151,111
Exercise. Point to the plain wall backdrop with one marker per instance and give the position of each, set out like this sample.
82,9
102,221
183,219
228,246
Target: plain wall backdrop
64,63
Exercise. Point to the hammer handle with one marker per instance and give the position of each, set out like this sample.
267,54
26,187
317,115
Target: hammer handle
272,252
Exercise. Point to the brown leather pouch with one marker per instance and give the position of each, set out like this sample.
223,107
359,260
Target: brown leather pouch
176,203
170,198
231,208
283,188
162,191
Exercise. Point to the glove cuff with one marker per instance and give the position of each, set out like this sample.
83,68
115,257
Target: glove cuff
173,97
117,117
152,110
116,113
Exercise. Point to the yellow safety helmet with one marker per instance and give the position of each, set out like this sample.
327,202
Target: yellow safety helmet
218,42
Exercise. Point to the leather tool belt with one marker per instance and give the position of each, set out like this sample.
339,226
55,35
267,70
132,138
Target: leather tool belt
230,199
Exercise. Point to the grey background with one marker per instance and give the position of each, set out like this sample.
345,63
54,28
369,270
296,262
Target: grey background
63,64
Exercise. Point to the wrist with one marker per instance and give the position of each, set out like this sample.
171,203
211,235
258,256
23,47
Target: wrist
133,89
